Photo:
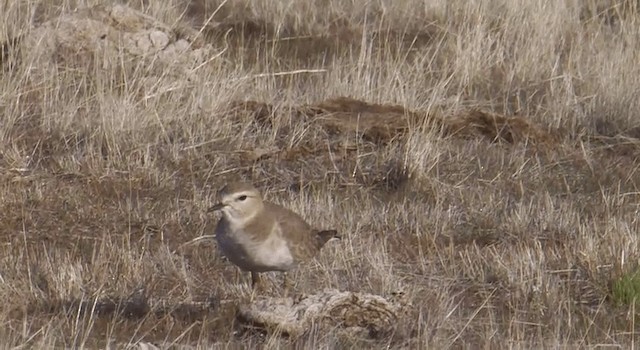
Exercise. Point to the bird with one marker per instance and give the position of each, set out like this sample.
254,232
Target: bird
260,236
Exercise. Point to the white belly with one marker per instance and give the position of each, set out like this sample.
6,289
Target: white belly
272,254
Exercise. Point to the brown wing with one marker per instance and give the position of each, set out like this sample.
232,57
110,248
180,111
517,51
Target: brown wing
301,237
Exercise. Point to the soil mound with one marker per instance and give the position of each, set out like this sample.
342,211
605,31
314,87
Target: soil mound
94,36
494,127
381,124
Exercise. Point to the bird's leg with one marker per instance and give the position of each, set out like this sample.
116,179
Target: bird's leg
285,283
255,280
255,285
239,274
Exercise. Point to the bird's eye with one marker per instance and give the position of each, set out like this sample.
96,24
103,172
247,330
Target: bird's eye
241,198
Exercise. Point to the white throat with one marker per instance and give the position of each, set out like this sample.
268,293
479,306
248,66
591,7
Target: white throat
239,219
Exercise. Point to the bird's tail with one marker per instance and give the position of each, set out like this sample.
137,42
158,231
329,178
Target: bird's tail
324,236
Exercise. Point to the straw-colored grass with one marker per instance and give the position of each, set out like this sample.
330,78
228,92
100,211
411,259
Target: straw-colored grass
479,156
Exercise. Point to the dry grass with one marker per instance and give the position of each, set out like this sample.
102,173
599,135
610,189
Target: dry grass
480,156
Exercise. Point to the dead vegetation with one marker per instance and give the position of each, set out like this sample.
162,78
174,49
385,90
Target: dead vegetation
364,314
479,156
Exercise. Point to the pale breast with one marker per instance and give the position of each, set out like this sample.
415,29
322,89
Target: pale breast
248,253
273,253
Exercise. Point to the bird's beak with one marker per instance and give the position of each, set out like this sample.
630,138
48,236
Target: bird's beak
215,208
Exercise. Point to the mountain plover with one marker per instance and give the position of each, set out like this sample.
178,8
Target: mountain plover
259,236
